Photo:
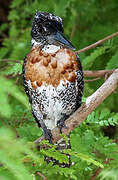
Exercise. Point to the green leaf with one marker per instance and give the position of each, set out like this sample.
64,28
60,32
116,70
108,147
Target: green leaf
16,69
89,60
62,158
12,157
113,62
8,87
16,3
84,157
109,174
61,6
3,52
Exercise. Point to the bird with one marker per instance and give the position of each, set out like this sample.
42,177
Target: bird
52,74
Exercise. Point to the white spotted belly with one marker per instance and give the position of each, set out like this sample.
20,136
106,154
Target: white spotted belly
54,103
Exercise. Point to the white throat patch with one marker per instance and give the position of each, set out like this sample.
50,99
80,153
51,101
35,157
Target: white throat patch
34,43
47,48
51,48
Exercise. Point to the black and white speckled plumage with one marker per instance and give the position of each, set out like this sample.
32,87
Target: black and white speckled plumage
51,106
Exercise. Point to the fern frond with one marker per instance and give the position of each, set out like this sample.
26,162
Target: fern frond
103,118
55,154
83,157
9,87
109,174
89,60
15,69
12,157
113,62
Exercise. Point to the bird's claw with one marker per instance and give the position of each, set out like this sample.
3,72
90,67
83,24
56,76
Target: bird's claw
48,135
60,125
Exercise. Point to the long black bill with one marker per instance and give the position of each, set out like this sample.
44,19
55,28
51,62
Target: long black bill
59,37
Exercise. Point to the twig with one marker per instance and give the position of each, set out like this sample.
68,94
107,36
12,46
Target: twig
91,103
40,174
97,43
91,80
100,73
96,174
11,60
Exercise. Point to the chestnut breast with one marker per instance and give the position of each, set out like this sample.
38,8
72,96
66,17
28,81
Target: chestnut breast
50,68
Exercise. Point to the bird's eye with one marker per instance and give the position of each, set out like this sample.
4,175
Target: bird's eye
48,25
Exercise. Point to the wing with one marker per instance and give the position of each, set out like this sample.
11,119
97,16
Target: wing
27,90
80,83
25,81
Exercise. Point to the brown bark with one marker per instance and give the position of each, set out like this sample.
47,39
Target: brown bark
99,73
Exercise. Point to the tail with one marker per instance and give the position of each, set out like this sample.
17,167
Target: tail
61,145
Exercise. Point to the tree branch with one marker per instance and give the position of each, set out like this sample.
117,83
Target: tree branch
11,60
91,103
100,73
97,43
91,80
40,174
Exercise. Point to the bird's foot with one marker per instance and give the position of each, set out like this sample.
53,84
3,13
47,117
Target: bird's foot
48,135
61,124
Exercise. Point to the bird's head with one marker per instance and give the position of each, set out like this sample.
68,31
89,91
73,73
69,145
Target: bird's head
48,29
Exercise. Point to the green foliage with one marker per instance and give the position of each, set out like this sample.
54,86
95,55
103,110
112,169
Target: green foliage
12,157
85,22
89,60
83,157
9,87
113,63
14,69
109,174
103,118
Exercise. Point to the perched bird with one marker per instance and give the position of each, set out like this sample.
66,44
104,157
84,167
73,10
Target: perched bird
52,74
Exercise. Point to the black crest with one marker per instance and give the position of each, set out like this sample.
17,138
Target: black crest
48,29
46,24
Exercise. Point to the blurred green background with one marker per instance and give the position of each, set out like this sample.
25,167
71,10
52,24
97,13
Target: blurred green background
85,22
